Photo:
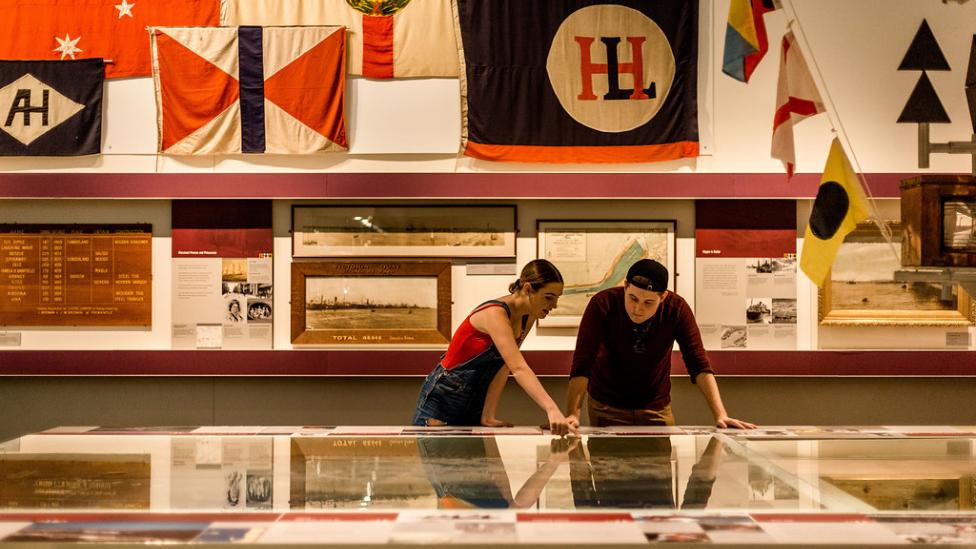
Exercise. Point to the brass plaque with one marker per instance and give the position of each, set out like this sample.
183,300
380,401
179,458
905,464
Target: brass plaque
76,275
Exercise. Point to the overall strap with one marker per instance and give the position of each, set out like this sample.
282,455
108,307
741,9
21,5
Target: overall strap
504,305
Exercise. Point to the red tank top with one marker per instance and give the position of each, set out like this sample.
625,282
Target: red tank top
469,342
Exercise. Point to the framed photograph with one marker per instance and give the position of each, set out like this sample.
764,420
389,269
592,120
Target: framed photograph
595,255
403,231
372,303
861,290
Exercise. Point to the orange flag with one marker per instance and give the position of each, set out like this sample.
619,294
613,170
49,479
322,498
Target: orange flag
114,30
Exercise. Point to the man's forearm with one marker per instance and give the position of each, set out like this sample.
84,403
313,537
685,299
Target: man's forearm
709,389
574,397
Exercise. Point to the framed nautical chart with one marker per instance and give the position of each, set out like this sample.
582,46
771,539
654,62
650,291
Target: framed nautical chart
595,255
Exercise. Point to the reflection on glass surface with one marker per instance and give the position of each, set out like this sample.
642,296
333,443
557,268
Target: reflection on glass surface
74,481
358,473
636,472
933,474
430,471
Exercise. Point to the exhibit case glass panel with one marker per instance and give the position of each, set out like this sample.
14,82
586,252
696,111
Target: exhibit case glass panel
341,485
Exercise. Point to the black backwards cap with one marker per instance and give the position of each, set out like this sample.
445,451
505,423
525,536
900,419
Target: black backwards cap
648,274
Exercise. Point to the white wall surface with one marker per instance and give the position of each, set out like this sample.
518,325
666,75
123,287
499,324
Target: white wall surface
413,125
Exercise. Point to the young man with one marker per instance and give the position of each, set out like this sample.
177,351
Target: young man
623,354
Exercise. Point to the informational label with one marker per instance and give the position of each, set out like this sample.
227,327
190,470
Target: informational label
75,275
222,275
745,288
472,269
957,339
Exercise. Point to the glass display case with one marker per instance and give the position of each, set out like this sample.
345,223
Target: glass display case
335,485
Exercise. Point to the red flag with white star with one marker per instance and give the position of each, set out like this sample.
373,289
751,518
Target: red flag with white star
114,30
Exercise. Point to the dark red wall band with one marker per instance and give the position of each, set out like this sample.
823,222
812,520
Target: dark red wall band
427,185
415,363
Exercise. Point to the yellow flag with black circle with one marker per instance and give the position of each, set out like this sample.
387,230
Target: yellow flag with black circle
840,205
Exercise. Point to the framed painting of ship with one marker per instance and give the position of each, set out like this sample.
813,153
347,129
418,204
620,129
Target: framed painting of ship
594,255
389,303
861,290
404,231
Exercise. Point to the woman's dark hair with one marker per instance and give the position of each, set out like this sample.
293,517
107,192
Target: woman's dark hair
231,303
536,273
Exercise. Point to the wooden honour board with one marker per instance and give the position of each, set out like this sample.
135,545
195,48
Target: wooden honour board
58,275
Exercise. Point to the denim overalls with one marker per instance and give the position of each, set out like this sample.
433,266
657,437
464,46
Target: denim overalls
457,396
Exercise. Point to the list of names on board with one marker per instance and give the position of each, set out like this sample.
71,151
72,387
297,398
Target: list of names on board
75,275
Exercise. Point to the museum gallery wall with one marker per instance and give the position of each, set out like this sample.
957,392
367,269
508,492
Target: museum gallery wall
397,262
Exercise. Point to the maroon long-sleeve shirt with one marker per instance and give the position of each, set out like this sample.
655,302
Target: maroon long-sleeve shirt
618,375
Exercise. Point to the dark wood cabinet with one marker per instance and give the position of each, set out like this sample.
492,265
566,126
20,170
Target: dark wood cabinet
938,213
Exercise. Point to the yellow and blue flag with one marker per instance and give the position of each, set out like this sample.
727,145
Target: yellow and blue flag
745,38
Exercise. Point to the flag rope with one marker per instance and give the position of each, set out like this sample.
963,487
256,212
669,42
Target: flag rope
837,126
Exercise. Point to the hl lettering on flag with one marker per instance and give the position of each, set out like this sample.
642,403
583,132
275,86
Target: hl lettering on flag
610,89
613,68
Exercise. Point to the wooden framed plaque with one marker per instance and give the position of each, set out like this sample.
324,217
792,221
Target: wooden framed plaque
371,303
76,275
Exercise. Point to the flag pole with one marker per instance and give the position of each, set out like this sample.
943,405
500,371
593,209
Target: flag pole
834,117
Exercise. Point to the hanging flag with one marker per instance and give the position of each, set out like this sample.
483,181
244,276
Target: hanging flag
51,108
840,205
229,90
114,30
745,38
387,38
578,80
796,99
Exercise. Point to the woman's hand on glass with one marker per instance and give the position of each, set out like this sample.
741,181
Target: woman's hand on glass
560,425
492,422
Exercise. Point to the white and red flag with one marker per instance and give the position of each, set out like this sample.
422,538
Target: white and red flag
796,99
387,38
230,90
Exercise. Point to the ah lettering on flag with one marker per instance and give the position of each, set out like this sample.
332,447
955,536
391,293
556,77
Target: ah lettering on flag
797,98
746,42
84,29
578,80
51,108
840,205
230,90
386,38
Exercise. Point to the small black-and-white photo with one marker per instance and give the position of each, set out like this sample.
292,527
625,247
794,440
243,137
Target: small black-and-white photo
259,489
264,291
258,310
784,311
734,337
233,481
230,288
760,266
759,310
784,265
233,311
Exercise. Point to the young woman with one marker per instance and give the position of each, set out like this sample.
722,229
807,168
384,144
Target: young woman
465,387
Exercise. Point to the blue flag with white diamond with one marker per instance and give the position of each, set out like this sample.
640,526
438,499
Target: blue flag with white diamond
51,108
